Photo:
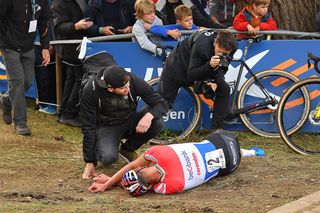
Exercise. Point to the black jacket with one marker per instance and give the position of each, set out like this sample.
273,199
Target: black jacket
190,60
168,16
126,13
15,17
65,13
98,107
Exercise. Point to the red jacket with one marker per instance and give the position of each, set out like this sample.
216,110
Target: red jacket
244,18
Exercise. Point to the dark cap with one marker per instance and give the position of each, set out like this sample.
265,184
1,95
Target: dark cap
113,77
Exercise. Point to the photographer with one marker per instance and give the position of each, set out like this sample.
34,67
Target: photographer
203,56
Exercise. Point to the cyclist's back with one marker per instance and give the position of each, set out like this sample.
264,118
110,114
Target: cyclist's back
185,166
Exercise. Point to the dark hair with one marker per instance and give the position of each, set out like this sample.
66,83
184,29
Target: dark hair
226,40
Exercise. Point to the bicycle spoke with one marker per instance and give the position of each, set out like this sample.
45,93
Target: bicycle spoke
262,116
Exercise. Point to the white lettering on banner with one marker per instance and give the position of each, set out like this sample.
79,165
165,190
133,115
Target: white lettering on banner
2,66
174,115
230,76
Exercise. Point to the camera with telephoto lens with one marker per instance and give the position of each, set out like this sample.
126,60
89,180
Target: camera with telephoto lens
224,60
201,87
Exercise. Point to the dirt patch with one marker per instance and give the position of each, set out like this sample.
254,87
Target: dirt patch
43,173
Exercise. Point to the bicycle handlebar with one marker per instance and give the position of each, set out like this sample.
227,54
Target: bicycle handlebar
315,60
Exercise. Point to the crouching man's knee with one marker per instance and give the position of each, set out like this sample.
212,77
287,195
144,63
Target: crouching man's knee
108,159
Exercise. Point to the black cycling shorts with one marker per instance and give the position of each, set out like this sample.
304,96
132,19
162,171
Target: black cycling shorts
231,148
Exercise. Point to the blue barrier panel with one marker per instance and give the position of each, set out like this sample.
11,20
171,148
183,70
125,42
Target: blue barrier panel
289,55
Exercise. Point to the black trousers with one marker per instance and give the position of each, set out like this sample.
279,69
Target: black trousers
168,89
108,138
70,96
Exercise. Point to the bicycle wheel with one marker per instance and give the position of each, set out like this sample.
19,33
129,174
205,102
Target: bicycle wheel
262,120
182,119
307,140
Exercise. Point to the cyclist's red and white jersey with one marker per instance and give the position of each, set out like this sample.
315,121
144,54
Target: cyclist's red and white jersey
184,166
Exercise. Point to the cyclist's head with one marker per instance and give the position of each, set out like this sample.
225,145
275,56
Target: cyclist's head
133,182
225,42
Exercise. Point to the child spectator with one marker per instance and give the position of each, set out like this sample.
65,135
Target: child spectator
253,18
145,15
184,21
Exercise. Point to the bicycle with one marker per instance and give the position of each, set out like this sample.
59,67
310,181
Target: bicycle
255,104
302,112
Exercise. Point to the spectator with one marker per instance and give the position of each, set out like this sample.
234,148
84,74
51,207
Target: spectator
222,12
166,7
69,23
145,14
197,58
45,78
184,22
169,169
18,24
253,18
108,111
111,17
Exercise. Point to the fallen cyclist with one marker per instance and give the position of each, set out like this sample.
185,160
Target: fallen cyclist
169,169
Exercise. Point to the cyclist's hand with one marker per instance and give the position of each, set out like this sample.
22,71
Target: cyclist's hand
214,61
102,178
97,187
175,34
145,123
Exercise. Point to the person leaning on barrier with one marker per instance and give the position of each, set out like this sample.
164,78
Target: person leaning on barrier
69,23
146,18
169,169
18,24
109,113
253,18
184,22
111,17
203,56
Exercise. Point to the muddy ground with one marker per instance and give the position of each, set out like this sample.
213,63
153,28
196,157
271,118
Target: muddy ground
42,173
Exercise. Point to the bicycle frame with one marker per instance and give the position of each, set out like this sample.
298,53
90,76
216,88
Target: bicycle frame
270,100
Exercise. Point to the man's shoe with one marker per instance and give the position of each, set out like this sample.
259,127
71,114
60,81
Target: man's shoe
71,121
259,152
22,129
6,109
128,156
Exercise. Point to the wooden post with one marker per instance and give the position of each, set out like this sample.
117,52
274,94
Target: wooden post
58,81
